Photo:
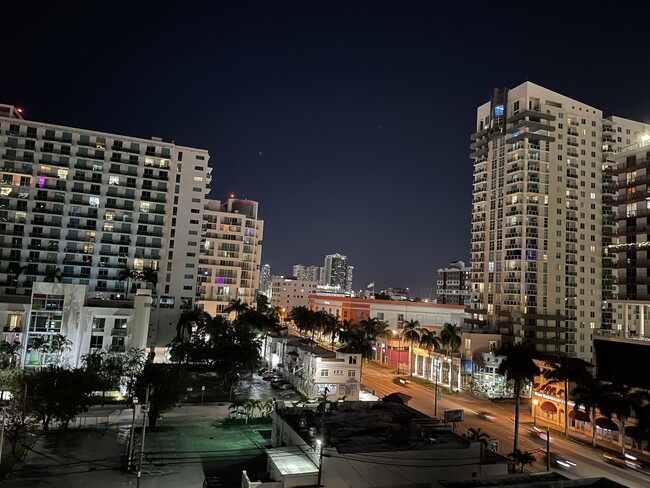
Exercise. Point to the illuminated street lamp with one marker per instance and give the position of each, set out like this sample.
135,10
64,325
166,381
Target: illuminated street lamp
535,403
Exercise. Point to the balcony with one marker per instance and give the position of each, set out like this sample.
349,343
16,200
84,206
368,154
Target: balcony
118,332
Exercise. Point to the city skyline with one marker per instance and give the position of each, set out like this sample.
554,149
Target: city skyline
349,124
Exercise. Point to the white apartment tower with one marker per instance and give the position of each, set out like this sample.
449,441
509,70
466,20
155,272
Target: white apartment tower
266,284
231,253
90,204
336,271
541,219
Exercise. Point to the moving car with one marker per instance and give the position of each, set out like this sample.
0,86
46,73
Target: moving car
540,434
560,461
484,415
403,380
627,461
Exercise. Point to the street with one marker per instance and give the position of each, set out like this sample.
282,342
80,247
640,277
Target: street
590,461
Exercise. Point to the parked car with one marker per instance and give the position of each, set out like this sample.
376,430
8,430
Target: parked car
278,383
285,386
212,482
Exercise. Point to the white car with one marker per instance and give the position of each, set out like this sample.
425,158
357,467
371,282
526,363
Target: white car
540,434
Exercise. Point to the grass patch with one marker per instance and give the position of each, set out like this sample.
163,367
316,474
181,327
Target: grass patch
251,421
8,458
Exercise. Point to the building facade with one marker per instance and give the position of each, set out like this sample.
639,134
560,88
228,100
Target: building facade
454,284
336,272
230,256
265,281
539,227
289,293
84,206
58,312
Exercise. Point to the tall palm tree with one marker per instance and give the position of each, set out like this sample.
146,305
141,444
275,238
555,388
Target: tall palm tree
429,341
518,366
52,275
565,370
236,305
149,275
128,275
42,345
331,328
450,337
368,326
59,345
345,330
10,351
411,334
300,317
620,400
189,319
589,393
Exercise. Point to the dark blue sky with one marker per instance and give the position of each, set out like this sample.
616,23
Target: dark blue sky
349,122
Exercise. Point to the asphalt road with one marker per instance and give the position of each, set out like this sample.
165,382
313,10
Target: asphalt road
590,461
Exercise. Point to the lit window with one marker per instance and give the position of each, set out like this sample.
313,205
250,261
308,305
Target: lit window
110,215
108,226
62,173
93,201
148,161
113,180
144,207
198,178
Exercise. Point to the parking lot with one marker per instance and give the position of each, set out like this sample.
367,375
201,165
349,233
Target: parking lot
255,387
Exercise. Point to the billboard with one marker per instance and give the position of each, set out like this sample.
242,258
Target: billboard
454,415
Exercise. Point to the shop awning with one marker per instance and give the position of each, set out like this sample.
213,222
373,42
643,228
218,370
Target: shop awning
548,407
607,424
579,415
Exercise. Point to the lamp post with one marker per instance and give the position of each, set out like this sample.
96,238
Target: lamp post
535,403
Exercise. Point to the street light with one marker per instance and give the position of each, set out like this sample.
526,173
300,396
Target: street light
535,403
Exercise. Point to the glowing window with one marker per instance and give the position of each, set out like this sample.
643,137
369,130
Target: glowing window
62,173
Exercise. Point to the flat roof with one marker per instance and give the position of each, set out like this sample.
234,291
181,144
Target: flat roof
291,460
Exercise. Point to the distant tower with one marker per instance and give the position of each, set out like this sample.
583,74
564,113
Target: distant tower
265,280
336,271
454,284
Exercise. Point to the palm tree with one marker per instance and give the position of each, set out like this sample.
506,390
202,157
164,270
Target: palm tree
149,275
429,341
359,343
450,338
368,326
41,344
300,317
410,333
331,328
522,458
59,345
52,275
129,275
236,305
589,393
518,366
10,351
345,330
564,371
478,435
189,319
620,400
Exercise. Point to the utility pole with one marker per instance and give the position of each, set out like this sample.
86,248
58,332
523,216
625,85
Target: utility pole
2,431
129,461
322,442
145,410
548,449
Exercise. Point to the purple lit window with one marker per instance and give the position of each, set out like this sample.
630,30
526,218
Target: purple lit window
41,182
221,280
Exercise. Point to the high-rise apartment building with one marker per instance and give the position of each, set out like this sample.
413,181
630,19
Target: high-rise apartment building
82,206
266,281
454,284
336,272
231,252
541,219
307,273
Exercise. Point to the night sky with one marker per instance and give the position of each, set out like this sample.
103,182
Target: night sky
349,122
